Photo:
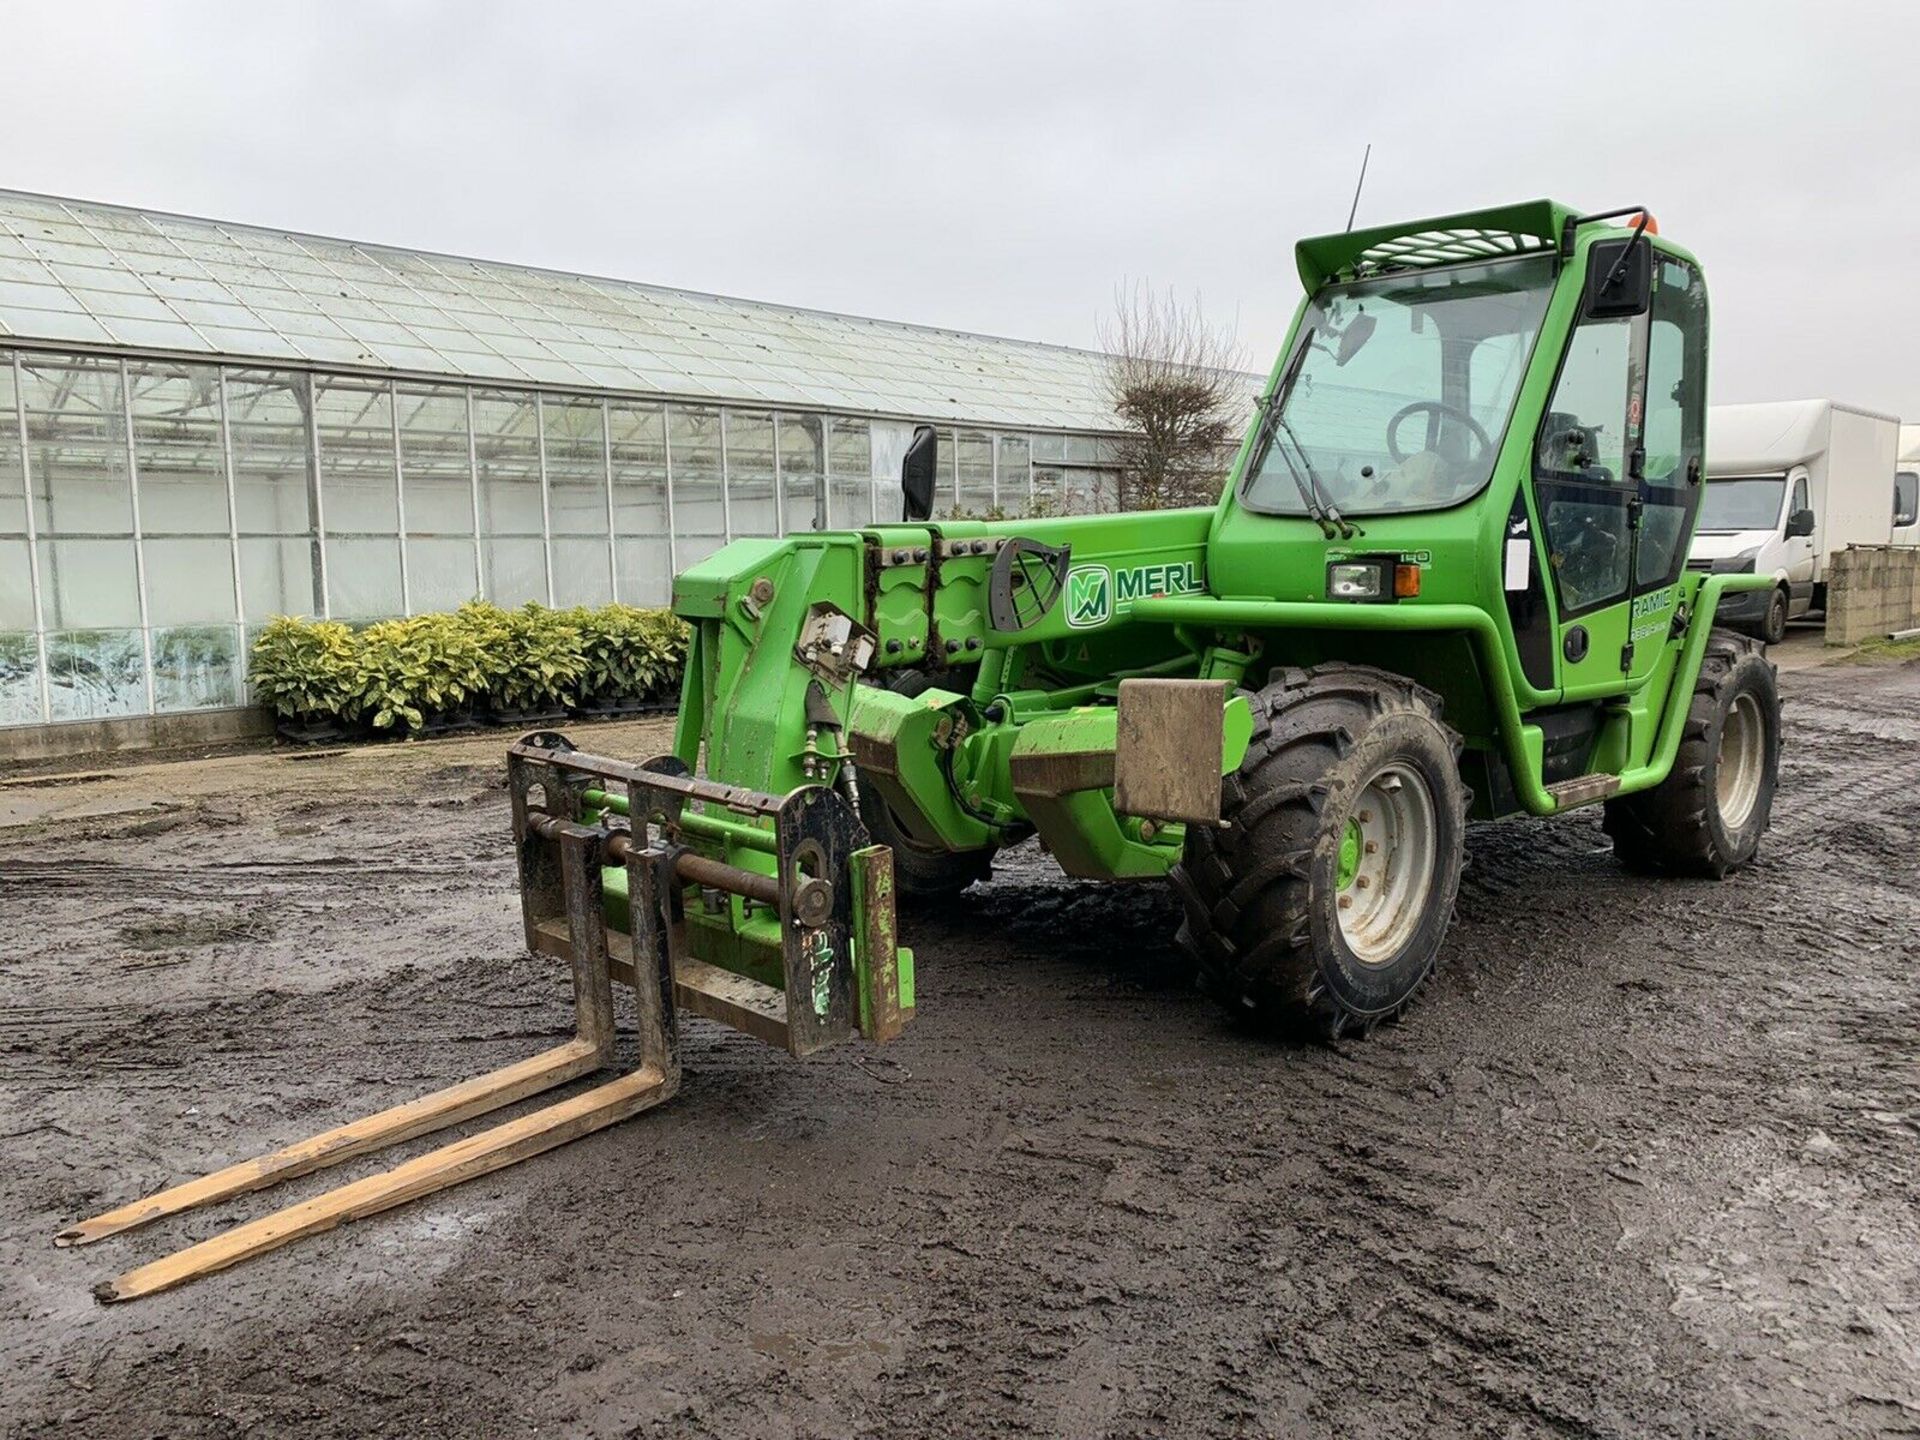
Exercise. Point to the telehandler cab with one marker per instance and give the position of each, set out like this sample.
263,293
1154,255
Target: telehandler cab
1446,579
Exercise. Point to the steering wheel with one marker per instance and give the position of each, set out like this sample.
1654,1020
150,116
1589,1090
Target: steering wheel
1434,409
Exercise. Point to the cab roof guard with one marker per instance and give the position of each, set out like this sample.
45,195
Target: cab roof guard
1533,227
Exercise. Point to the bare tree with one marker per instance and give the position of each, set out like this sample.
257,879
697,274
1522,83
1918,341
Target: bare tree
1174,381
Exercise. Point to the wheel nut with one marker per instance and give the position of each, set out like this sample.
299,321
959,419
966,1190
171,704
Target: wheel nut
1365,816
1346,902
1360,882
1372,847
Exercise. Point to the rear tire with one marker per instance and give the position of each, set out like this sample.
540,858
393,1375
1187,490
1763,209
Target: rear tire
1322,906
1773,625
919,869
1706,818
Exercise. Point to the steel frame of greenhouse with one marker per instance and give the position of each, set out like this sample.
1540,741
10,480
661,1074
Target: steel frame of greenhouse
205,425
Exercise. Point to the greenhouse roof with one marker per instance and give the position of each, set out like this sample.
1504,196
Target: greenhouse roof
83,275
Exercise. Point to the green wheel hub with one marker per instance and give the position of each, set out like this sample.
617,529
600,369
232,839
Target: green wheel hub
1350,847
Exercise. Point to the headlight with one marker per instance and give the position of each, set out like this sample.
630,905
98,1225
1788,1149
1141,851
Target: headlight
1741,564
1357,581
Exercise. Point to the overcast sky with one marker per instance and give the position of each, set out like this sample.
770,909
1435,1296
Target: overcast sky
1000,167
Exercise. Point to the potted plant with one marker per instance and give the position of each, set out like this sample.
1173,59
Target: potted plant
632,656
308,673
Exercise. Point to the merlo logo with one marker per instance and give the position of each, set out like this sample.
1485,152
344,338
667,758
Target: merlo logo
1089,596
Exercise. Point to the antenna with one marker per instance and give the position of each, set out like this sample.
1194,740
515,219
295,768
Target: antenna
1354,209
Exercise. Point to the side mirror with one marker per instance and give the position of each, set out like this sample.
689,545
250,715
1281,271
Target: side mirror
919,474
1358,332
1799,523
1619,277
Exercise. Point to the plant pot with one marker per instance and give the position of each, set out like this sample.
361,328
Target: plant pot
616,707
312,729
526,719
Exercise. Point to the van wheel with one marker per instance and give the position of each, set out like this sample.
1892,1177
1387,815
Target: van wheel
1773,628
1322,904
1708,815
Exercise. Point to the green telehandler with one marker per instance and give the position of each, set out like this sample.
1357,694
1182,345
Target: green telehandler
1446,580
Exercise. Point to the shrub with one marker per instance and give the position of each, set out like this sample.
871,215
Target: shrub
420,666
628,653
533,657
306,669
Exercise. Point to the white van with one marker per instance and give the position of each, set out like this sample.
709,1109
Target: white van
1788,483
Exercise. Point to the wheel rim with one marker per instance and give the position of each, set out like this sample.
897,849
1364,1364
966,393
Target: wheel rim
1742,759
1385,868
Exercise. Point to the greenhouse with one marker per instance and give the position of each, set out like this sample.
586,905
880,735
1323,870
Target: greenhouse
204,425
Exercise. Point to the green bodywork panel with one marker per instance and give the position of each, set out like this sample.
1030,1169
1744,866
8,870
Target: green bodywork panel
1016,732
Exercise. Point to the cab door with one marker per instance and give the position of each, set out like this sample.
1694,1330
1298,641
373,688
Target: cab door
1582,486
1672,455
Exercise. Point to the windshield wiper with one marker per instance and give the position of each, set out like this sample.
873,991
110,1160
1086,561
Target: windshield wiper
1272,422
1328,511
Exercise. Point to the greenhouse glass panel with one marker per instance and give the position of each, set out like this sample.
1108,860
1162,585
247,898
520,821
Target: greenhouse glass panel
646,569
88,583
1014,481
277,576
363,576
507,448
272,460
16,585
189,579
802,441
196,667
436,474
974,462
358,486
693,437
582,573
576,469
95,674
77,446
850,474
440,572
179,452
19,678
751,507
515,570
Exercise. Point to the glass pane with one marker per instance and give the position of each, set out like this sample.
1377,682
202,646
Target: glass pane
646,573
355,421
507,448
276,577
267,415
196,667
88,582
363,576
694,447
189,580
802,441
16,586
13,485
19,679
638,473
516,570
177,447
434,466
77,450
975,459
1584,436
1675,413
581,571
850,497
94,674
440,572
751,505
1014,484
576,468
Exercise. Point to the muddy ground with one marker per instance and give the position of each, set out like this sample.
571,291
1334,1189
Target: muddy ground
1642,1163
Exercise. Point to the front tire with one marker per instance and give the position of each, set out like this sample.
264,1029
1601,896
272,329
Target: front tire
1322,906
1773,625
1706,818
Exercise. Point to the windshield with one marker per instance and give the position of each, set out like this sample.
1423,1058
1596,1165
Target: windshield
1744,504
1403,391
